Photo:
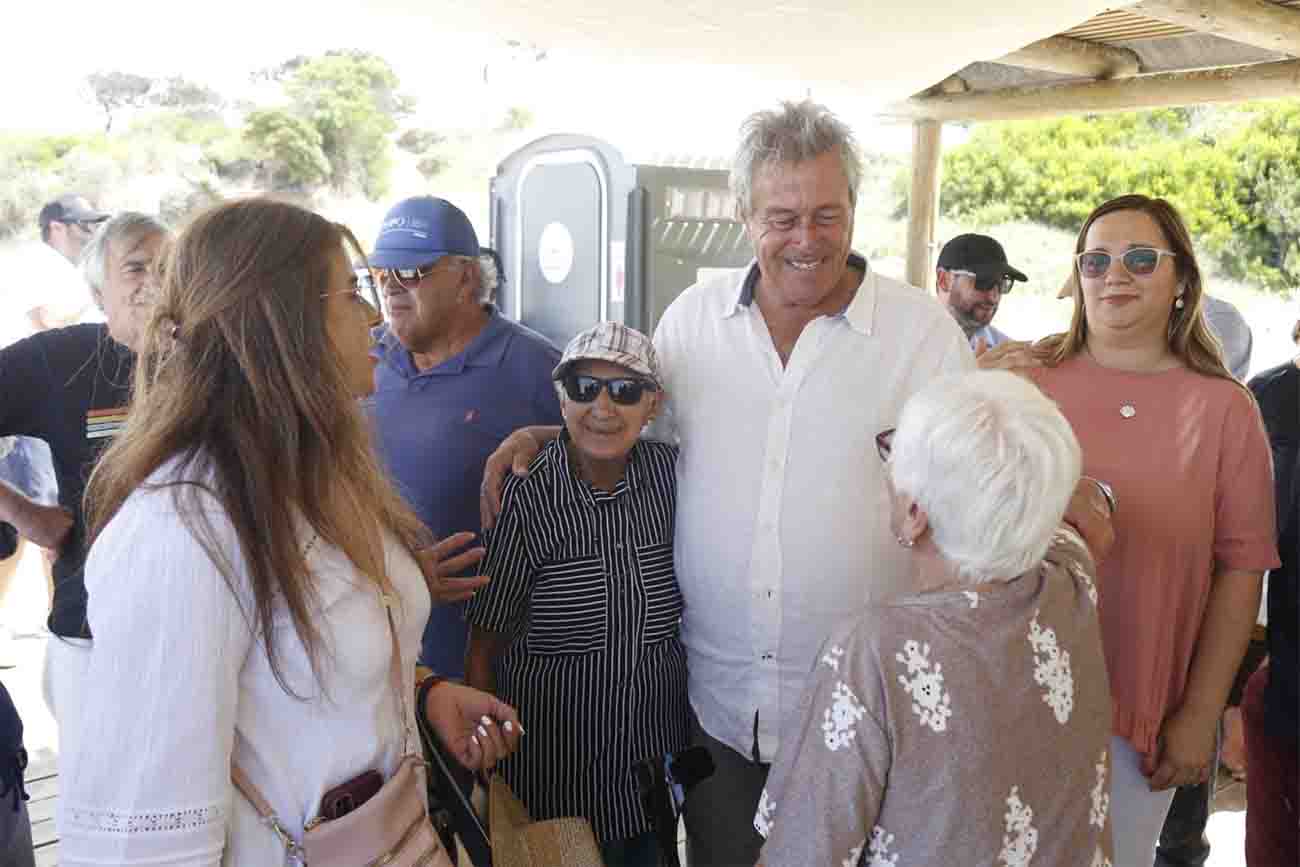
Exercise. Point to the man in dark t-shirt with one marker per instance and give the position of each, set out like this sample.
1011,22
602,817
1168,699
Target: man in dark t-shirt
70,387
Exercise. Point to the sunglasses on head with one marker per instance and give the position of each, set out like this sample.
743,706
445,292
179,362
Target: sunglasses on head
984,283
1139,261
625,391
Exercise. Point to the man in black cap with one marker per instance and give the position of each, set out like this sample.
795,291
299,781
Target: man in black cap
59,294
972,276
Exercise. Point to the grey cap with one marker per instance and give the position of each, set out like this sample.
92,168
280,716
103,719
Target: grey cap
614,342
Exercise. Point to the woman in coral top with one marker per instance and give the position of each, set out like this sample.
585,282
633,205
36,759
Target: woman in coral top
1159,417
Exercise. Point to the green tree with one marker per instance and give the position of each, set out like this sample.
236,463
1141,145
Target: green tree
351,98
418,141
289,148
116,90
1233,173
181,93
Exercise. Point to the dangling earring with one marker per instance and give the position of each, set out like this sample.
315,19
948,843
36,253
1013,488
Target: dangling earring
1178,303
906,543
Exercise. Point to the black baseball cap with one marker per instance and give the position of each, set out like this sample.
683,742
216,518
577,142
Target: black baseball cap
69,208
979,254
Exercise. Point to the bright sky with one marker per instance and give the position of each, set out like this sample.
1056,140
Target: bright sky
644,109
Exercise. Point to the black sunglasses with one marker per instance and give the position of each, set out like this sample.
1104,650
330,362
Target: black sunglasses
1140,261
624,391
885,443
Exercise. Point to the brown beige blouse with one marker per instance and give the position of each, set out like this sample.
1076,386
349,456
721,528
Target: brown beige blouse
967,727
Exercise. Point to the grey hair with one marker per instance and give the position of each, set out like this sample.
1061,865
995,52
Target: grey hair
993,463
126,226
795,132
489,277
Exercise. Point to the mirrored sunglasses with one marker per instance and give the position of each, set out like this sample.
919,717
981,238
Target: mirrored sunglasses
625,391
409,278
988,281
1140,261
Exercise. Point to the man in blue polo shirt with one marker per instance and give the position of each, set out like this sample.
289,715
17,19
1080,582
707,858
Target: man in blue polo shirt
453,379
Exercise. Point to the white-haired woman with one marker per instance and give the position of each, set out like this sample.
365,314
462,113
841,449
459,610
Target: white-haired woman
967,722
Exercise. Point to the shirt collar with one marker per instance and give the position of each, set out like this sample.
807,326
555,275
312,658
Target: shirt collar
859,314
487,349
571,488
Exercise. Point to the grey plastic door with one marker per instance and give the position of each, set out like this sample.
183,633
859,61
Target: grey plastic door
563,213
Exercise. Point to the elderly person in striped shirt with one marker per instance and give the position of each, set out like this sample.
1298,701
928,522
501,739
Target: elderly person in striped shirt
579,628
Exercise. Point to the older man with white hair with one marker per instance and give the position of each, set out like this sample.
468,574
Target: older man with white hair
70,387
775,376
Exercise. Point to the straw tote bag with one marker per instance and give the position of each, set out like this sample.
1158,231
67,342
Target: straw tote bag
518,841
391,828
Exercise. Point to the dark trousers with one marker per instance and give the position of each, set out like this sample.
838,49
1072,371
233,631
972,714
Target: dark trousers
1182,840
720,810
15,834
1272,821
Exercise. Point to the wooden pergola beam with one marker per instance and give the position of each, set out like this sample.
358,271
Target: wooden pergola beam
1066,56
1253,22
1279,79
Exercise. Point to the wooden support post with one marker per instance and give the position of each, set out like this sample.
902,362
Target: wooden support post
923,205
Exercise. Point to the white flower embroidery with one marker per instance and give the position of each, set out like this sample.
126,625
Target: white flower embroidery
878,850
855,854
832,657
1099,859
1020,841
1100,795
839,719
973,597
1086,580
763,820
929,700
1052,670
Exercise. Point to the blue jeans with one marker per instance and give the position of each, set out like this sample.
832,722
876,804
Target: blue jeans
15,834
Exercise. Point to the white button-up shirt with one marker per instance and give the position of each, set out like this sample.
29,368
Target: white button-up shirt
782,518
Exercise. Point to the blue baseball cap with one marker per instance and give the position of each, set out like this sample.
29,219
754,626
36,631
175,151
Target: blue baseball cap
421,230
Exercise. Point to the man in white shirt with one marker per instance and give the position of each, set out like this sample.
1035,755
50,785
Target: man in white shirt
971,278
778,378
51,289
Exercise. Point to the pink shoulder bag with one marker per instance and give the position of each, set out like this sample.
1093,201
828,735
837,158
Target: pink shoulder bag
391,828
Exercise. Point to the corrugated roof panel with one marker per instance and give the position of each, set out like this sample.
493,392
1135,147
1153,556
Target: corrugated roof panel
1120,24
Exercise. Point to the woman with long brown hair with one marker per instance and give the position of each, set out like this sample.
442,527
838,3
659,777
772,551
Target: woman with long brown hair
1158,416
246,552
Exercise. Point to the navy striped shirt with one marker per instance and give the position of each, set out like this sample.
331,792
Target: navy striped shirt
583,586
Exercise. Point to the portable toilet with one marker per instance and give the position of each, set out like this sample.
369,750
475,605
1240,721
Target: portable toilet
584,236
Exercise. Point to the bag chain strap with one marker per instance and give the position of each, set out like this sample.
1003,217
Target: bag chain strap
292,847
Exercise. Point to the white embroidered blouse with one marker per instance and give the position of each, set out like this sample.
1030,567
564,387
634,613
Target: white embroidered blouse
177,686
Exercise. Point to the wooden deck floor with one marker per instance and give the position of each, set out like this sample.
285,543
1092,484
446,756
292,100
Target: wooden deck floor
43,789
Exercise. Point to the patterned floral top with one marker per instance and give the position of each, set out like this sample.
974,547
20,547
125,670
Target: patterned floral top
967,727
